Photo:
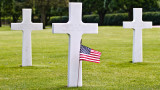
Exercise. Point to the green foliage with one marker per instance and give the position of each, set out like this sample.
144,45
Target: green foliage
50,61
128,5
43,10
0,13
115,19
90,19
59,19
13,8
111,19
101,7
152,16
7,8
45,7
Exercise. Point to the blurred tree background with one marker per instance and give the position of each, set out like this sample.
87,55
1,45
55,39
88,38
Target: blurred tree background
103,12
42,10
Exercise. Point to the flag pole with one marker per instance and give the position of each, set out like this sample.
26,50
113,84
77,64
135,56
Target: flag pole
79,63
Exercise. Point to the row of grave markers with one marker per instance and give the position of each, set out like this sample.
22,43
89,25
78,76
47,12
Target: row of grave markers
75,28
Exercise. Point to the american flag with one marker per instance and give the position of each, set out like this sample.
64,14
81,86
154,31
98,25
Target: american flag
88,54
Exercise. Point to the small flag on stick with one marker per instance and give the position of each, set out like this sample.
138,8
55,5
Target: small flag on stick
88,54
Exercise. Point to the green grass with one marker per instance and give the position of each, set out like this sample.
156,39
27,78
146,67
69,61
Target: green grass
50,60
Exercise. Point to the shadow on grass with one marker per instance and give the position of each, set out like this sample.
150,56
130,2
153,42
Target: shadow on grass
28,67
62,87
130,64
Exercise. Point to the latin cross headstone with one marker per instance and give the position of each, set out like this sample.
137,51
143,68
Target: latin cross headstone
137,24
75,28
27,26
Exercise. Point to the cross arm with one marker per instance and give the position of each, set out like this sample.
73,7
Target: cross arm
37,26
128,25
90,28
71,28
147,24
60,28
16,26
30,26
156,26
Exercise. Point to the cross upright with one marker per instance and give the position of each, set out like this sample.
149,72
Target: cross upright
137,24
75,28
27,26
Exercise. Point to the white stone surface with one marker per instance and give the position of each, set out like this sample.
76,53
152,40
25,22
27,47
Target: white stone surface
137,24
75,28
156,26
27,26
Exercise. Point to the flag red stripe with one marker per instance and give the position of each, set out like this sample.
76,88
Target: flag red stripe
90,58
91,61
90,54
94,56
85,56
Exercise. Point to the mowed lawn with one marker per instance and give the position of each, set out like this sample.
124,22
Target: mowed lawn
50,60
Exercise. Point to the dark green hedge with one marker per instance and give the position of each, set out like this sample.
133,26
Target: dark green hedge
115,19
111,19
58,19
152,16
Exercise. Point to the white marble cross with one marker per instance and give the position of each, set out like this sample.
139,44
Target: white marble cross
27,26
137,24
75,28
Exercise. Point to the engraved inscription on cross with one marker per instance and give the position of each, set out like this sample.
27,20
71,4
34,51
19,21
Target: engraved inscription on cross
27,26
137,24
75,28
